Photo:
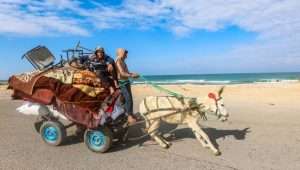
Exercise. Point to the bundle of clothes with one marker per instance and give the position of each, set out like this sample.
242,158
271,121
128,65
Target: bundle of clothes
79,94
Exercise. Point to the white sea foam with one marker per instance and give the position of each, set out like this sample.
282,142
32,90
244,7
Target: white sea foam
191,81
187,82
277,81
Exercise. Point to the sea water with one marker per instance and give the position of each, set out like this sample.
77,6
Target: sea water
3,82
235,78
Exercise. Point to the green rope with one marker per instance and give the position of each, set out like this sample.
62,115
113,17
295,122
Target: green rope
160,88
156,86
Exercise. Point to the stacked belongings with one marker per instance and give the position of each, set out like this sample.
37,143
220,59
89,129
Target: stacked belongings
78,94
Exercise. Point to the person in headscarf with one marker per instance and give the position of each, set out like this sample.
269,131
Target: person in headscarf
104,67
124,83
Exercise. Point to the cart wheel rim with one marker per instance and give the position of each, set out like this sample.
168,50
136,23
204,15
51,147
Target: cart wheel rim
96,139
50,134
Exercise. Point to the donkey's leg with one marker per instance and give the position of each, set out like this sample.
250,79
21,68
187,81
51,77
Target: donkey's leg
152,131
168,144
198,136
202,137
165,140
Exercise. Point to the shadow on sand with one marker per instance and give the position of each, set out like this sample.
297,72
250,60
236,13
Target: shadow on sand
174,135
213,134
72,139
169,131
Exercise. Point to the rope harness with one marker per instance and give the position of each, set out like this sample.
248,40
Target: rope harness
192,106
192,102
177,95
155,86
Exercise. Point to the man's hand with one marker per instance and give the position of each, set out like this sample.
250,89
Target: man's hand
110,68
135,75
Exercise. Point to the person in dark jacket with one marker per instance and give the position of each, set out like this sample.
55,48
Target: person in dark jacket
104,67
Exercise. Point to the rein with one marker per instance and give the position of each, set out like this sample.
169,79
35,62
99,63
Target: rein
160,88
155,86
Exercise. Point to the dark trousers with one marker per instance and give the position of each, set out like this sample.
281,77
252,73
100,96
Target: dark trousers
126,91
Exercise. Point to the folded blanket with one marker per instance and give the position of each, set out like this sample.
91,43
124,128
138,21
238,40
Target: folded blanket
77,93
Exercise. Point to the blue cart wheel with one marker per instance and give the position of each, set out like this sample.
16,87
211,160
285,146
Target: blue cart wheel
99,140
53,133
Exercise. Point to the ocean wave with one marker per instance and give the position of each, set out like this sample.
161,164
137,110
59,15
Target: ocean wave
277,81
185,82
217,82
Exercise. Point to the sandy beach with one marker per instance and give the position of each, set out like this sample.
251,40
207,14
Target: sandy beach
4,93
263,132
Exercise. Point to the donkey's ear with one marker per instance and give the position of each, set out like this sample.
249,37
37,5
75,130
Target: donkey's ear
221,91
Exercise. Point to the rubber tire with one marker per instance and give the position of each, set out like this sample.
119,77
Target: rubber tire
107,143
61,131
38,125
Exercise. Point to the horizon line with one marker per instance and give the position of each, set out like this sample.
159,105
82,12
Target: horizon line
180,74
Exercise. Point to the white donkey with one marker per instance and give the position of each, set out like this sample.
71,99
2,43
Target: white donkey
188,111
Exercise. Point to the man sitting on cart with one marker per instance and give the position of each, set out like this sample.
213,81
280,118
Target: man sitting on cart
104,67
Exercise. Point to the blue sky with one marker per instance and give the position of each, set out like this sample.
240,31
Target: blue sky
162,36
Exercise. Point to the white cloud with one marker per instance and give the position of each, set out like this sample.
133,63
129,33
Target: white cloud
36,18
276,22
131,13
266,17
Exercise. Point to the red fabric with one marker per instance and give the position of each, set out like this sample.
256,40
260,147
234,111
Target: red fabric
42,96
78,114
26,87
72,102
110,108
45,96
212,96
63,92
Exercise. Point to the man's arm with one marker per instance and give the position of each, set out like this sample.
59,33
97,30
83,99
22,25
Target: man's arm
112,68
122,71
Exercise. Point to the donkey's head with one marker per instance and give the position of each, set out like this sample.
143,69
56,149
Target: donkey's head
215,105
